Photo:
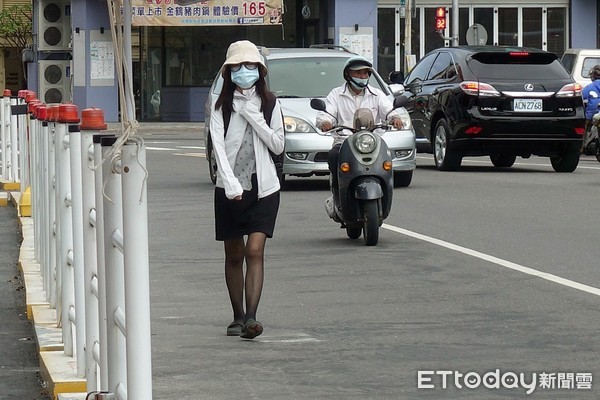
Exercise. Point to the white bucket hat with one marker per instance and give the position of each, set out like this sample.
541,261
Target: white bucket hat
244,51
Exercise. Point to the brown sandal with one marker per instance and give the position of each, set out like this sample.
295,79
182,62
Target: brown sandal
251,329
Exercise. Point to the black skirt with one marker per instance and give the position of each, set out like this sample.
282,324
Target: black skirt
235,218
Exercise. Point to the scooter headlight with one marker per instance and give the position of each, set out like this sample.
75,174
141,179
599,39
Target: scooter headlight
365,143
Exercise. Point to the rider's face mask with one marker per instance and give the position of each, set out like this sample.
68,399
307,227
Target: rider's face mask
361,80
245,77
359,83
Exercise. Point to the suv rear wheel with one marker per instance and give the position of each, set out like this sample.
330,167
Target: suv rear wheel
503,160
445,159
566,162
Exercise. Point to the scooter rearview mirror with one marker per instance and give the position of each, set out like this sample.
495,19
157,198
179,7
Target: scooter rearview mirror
400,101
318,104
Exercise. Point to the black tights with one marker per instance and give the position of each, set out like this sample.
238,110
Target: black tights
235,253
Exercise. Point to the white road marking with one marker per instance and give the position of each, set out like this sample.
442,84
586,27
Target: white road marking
475,161
496,260
190,154
159,148
299,340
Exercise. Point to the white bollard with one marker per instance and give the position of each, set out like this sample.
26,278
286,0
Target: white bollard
113,260
67,114
4,131
137,278
89,127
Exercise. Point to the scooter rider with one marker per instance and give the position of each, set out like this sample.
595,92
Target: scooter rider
344,100
591,96
591,99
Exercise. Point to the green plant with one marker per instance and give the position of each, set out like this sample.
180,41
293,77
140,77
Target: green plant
16,27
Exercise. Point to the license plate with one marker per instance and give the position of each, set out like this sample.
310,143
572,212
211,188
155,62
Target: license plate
528,105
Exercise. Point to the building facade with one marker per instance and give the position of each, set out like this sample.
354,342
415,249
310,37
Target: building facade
174,66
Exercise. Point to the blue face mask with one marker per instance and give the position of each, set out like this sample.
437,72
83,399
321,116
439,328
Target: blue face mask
359,83
245,77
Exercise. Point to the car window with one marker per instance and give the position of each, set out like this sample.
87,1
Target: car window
443,67
305,77
568,60
533,66
420,71
588,64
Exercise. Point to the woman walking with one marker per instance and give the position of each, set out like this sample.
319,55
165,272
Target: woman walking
246,126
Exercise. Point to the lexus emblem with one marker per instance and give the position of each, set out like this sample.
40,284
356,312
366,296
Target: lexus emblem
528,87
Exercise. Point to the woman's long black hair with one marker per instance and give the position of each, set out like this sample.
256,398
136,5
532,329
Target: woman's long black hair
225,99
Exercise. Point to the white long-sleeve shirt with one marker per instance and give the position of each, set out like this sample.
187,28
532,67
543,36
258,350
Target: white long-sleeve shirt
246,110
342,102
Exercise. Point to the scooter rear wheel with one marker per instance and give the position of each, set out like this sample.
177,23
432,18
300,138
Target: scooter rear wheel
371,222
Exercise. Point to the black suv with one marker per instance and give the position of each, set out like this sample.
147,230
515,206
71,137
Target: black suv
495,101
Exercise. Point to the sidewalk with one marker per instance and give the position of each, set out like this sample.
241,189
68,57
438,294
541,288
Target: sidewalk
32,362
19,365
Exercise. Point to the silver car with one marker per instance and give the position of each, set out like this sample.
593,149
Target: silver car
296,75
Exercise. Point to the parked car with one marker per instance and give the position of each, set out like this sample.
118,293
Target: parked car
578,63
500,102
296,75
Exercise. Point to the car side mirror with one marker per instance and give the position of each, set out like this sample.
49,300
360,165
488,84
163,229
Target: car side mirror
397,89
396,77
318,104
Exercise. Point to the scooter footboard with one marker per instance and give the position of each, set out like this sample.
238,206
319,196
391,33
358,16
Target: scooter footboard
368,189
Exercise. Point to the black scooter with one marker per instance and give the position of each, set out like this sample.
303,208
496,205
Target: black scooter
591,141
365,176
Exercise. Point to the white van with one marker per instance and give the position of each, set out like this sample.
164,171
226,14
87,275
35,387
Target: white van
578,63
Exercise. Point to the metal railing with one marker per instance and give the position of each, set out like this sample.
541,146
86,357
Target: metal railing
89,212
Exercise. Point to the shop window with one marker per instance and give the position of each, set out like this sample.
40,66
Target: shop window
485,17
532,27
508,24
463,25
556,30
386,46
433,39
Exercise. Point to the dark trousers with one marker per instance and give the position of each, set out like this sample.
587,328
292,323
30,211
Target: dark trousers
332,161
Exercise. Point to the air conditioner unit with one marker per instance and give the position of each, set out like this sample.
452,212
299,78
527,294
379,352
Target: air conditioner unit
54,81
54,25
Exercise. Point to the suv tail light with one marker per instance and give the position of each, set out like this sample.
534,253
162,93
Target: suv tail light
569,90
479,89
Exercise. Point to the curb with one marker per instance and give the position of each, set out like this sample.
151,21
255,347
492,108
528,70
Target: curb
58,370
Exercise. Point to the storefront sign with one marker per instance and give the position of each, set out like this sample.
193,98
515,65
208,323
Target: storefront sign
191,12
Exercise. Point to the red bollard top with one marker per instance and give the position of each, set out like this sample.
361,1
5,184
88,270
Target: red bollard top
53,112
92,119
67,113
7,93
41,112
31,105
30,95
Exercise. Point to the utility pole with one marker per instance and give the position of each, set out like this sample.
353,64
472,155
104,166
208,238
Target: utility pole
407,31
455,13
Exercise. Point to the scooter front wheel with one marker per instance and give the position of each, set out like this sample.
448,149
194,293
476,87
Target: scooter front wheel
371,222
